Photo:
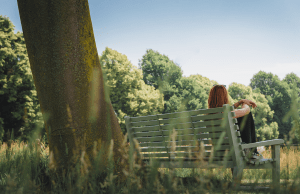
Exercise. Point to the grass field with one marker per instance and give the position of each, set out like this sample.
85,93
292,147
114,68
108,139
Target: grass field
24,169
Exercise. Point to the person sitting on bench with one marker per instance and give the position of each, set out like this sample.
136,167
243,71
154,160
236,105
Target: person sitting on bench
218,96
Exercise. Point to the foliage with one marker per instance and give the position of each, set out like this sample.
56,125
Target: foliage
279,97
129,95
294,84
162,73
159,70
192,94
294,114
20,109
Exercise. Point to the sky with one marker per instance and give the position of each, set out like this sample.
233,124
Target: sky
205,37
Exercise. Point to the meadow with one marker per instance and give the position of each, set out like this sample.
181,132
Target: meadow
25,167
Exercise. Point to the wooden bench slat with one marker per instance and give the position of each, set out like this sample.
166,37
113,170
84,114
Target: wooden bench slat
192,164
207,143
136,130
178,114
213,159
179,132
184,113
188,116
146,128
186,154
177,126
185,148
197,119
206,117
145,123
174,121
200,127
143,118
184,142
179,137
174,115
210,123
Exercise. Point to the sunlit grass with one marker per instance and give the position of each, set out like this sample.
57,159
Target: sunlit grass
289,166
20,157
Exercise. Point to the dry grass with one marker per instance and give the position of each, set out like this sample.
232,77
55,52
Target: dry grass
289,159
179,180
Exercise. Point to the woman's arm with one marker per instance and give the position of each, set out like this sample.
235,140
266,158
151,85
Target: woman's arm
237,104
241,112
248,102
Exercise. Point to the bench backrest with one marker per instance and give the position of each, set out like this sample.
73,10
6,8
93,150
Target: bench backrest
154,134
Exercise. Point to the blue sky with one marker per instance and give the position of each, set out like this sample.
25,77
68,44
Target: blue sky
205,37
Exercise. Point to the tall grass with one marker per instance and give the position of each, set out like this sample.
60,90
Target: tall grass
24,168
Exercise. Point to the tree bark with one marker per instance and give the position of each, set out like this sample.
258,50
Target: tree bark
63,59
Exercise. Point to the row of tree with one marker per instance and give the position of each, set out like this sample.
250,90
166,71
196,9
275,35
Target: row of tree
272,96
156,87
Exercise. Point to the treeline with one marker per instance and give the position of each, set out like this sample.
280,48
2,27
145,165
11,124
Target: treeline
156,86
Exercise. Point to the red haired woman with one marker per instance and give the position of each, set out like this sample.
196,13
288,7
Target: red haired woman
218,96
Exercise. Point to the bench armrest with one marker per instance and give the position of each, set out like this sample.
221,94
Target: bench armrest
263,143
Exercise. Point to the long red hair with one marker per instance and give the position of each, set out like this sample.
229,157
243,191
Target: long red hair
218,96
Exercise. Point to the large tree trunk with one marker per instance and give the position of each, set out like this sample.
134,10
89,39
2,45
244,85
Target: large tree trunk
63,56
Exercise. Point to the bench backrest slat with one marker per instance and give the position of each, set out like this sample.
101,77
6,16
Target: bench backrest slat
206,142
182,148
140,126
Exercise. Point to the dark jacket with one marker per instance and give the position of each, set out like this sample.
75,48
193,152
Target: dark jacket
247,129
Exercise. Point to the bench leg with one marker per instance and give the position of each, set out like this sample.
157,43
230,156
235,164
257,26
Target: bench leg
276,166
237,174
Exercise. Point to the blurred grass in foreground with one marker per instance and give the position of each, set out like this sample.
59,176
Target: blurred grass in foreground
24,168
